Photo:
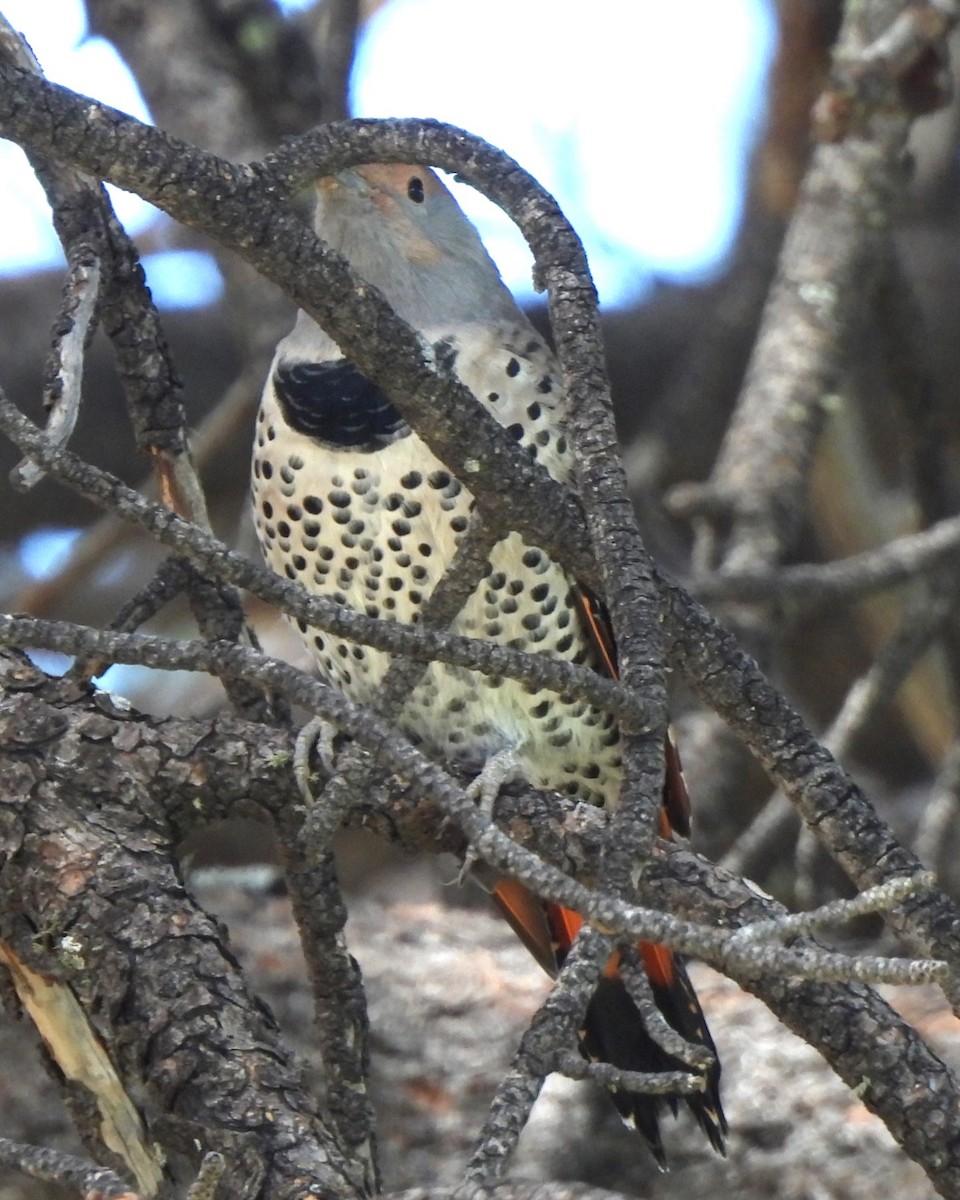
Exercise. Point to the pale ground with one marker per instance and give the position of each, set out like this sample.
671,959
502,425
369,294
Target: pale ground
450,989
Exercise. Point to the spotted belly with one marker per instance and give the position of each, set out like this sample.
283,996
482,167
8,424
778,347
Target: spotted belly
376,531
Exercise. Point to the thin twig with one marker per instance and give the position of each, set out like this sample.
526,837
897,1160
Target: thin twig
921,622
939,816
91,1181
553,1027
73,329
813,586
649,1083
637,982
212,1167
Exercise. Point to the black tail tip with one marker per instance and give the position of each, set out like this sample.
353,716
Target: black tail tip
643,1113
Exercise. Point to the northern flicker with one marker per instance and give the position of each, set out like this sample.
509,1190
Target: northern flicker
350,502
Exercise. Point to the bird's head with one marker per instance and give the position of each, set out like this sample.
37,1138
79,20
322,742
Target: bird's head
401,230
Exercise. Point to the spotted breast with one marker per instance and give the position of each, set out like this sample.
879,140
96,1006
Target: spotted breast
352,504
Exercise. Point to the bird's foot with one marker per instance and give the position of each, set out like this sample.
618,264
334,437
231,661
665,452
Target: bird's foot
318,735
484,790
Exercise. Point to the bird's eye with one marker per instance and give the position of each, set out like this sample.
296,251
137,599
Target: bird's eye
415,189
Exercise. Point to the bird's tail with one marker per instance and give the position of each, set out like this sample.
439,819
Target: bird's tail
613,1029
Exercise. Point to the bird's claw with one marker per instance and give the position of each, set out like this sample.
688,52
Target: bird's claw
483,791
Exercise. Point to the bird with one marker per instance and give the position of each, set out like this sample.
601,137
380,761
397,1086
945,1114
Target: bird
350,502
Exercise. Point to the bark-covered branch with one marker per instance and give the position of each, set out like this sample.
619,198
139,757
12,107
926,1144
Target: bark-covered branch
94,798
62,741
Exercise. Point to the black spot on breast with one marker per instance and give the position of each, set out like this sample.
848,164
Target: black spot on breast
513,368
334,403
545,385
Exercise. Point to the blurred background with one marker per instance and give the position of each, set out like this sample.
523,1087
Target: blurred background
675,138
